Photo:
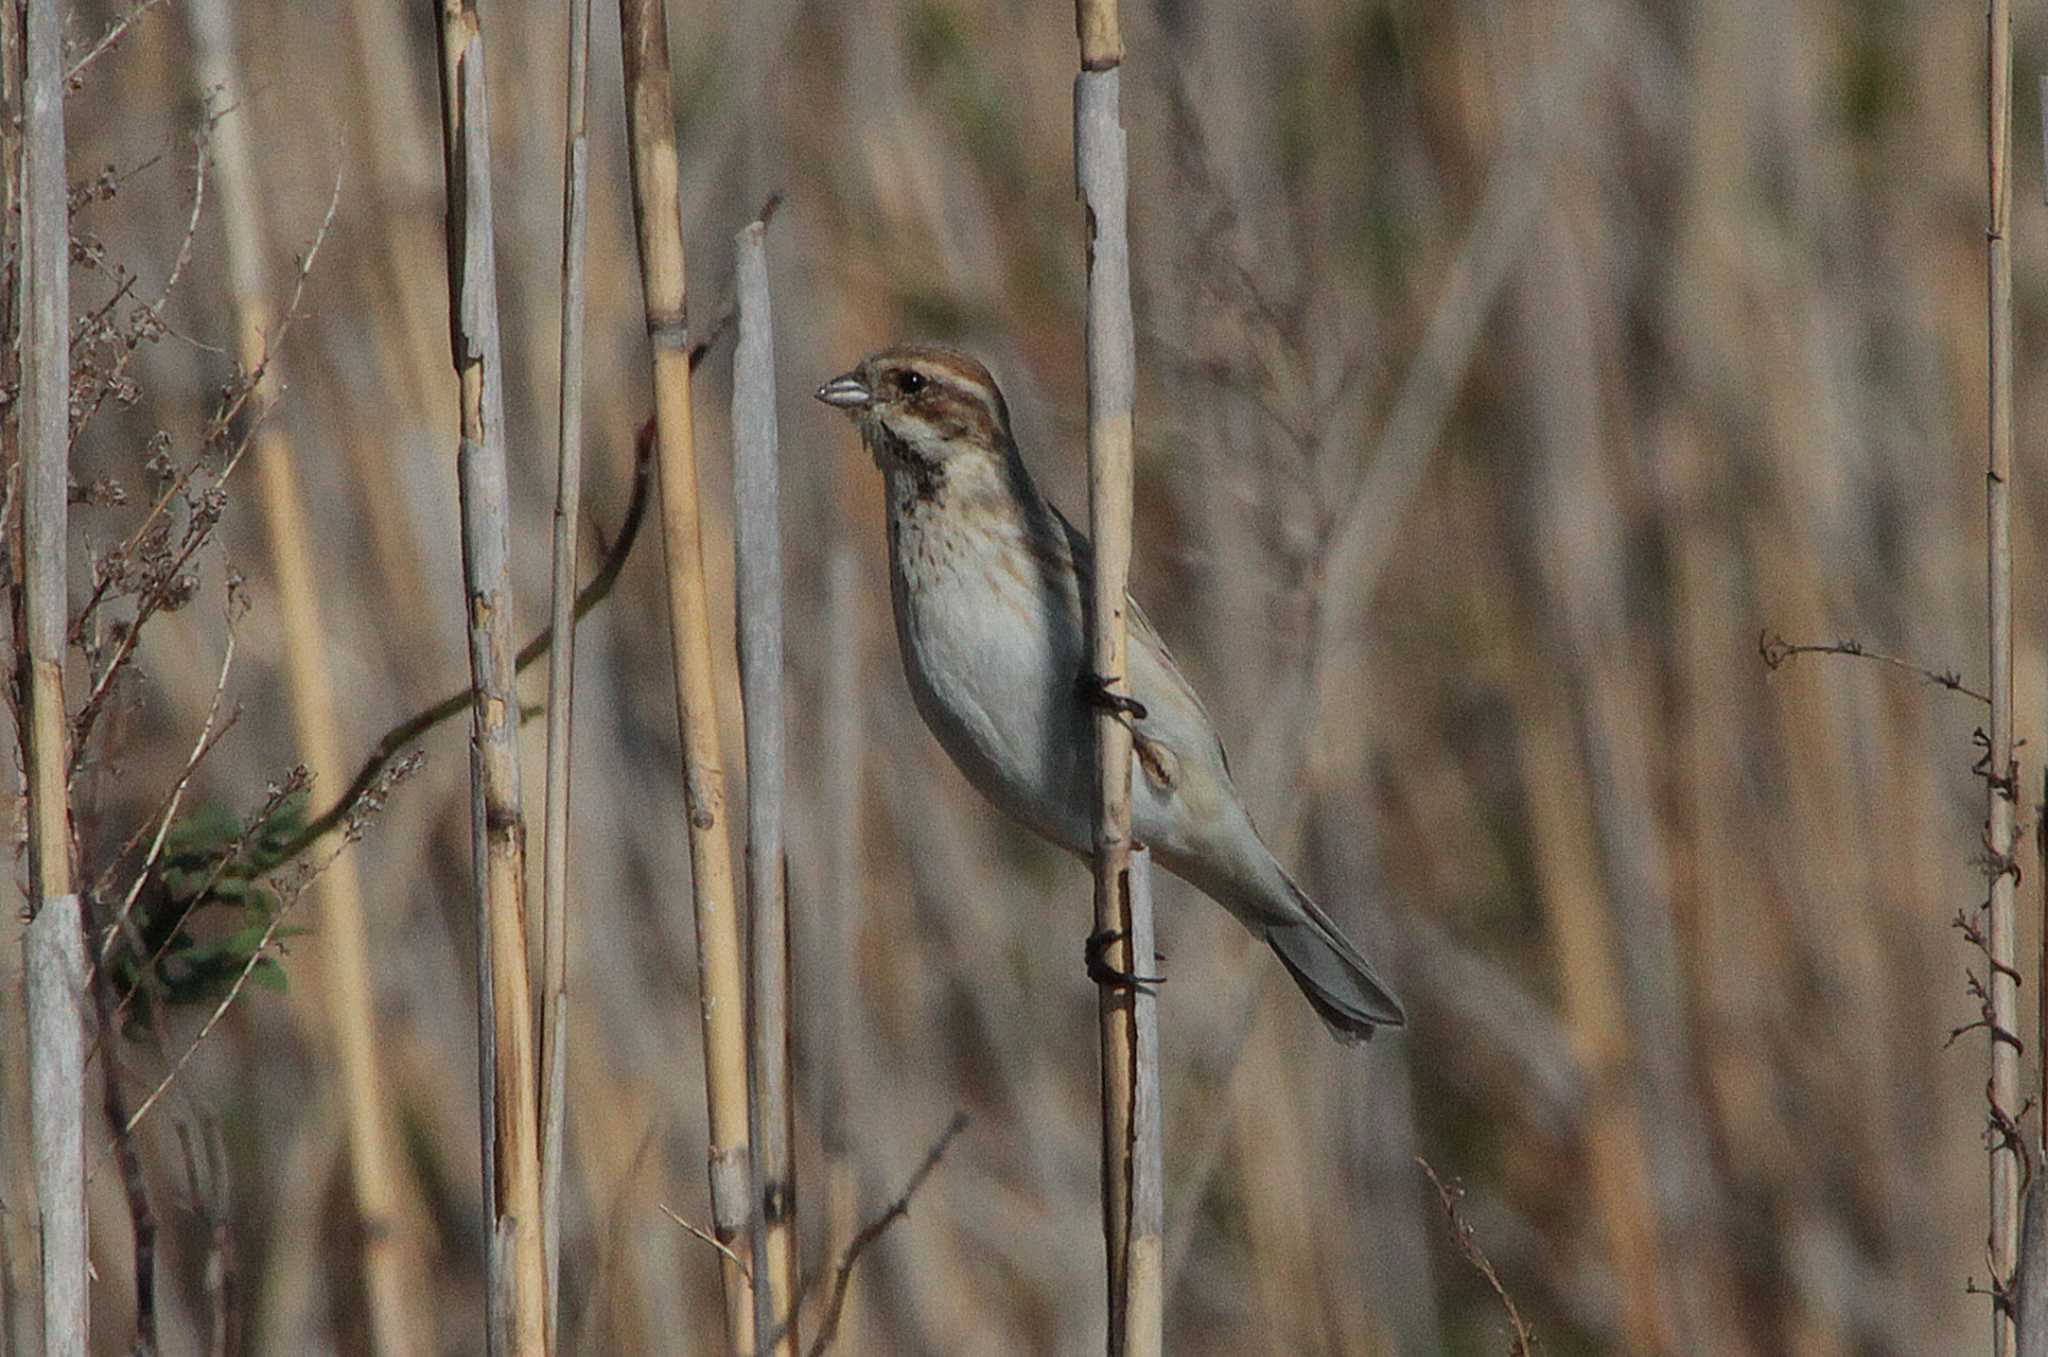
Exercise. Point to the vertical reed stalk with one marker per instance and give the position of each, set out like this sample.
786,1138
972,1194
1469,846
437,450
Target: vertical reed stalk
20,1235
54,948
517,1291
345,1007
2002,780
833,927
1100,172
554,945
657,215
757,506
1145,1246
1579,927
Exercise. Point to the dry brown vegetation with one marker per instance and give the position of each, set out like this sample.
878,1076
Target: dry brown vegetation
1506,370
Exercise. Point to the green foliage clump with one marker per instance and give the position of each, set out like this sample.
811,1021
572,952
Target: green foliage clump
207,909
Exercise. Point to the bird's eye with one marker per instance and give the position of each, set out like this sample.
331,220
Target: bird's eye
910,383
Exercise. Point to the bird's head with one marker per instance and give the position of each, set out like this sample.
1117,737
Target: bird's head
924,407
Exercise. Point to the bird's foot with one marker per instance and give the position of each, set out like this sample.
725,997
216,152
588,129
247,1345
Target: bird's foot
1095,953
1099,690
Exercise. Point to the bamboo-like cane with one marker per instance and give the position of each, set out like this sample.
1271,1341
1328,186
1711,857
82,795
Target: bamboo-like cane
1145,1246
54,948
657,215
391,1266
554,946
2002,794
757,545
1099,165
517,1290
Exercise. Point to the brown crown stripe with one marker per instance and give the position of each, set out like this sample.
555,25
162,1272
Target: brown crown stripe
936,360
958,375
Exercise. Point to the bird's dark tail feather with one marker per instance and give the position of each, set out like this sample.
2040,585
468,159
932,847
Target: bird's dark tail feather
1340,983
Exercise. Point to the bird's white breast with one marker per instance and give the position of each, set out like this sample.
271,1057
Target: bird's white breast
992,646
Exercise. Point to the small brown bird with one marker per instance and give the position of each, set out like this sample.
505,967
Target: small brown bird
989,582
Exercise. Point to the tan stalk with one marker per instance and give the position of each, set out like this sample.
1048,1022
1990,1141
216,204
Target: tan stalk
517,1287
657,214
1564,847
833,928
2002,780
627,1285
54,948
1145,1246
1100,171
287,1302
391,1261
554,946
757,545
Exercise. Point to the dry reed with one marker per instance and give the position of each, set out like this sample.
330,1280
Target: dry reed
516,1303
657,215
757,548
1101,178
2001,771
343,1012
554,970
54,945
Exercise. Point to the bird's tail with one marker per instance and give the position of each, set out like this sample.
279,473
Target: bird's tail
1339,982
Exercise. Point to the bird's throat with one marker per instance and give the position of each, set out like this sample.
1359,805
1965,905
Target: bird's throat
910,473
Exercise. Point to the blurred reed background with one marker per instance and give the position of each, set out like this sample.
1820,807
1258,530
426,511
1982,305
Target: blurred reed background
1506,369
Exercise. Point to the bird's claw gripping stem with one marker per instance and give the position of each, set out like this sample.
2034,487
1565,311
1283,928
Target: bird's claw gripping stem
1095,952
1099,690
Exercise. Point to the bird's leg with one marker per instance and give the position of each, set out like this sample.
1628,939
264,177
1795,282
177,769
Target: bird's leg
1099,690
1095,950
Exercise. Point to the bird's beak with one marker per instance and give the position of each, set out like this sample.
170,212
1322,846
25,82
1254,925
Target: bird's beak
847,392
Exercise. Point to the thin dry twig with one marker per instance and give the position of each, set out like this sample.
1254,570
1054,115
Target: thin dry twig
366,808
394,740
142,1219
344,1021
280,794
1522,1342
1775,651
159,595
115,31
709,1238
147,320
210,732
209,1200
239,391
419,723
208,1193
842,1273
256,955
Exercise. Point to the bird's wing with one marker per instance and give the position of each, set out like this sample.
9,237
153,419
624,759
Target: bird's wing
1143,633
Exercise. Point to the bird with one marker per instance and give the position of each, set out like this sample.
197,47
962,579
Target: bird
991,586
